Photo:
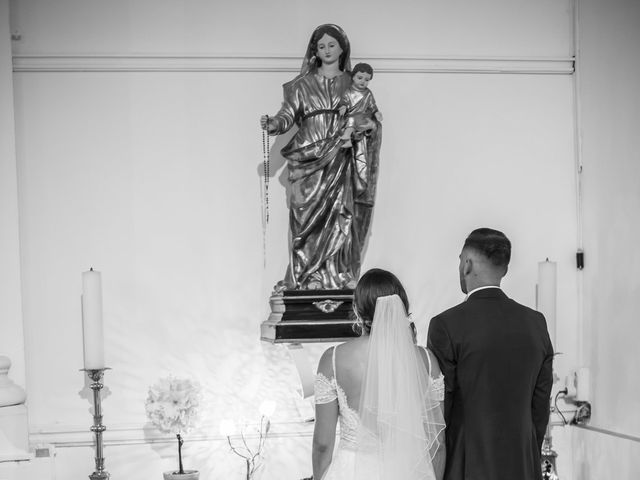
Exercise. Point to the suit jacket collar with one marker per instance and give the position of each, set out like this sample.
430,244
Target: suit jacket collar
495,292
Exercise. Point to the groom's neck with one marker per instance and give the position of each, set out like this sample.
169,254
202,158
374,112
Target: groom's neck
482,281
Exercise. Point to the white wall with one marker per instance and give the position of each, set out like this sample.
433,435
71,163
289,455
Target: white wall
245,27
11,332
609,73
139,154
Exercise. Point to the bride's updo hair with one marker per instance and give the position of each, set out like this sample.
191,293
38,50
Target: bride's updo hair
373,284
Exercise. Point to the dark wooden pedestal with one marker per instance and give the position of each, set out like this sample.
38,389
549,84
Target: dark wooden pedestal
299,316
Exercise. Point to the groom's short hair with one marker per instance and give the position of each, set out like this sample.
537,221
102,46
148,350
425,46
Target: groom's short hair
492,244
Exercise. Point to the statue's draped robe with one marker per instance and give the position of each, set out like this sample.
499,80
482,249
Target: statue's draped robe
330,204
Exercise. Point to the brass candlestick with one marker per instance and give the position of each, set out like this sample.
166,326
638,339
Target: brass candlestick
548,458
96,376
548,454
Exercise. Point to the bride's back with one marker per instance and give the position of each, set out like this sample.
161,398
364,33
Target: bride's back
351,363
350,366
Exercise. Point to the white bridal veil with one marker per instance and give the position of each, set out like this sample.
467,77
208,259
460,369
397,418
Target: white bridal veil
400,416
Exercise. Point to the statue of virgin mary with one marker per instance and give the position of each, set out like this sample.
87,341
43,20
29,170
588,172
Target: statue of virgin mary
332,195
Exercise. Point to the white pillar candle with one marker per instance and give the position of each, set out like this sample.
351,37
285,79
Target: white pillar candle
92,331
546,295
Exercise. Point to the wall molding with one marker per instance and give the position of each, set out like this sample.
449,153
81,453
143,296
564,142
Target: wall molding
65,436
212,63
611,433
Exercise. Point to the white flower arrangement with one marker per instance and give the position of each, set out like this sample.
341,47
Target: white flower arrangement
172,404
172,407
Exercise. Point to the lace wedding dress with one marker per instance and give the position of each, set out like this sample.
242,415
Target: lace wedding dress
352,459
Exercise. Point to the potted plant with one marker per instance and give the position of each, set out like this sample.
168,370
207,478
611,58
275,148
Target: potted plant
172,407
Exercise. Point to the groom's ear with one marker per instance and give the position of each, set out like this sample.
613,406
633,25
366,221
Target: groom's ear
467,267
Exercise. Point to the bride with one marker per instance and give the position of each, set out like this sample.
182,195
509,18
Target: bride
385,391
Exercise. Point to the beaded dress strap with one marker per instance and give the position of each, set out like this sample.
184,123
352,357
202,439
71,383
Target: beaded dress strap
333,360
428,357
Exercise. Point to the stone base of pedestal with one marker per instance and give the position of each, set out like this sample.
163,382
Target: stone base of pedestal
299,316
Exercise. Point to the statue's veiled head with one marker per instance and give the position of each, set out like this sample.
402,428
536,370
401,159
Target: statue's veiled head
313,61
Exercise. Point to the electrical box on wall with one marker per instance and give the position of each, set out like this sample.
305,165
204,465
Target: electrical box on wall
578,391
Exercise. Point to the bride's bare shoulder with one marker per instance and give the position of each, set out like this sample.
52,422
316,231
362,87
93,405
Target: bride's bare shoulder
325,365
351,354
342,350
353,345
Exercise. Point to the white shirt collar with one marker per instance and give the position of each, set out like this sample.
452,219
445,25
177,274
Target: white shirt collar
481,288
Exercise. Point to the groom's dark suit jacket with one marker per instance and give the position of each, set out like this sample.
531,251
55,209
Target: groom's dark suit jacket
496,357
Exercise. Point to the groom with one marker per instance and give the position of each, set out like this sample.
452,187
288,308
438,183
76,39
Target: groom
496,357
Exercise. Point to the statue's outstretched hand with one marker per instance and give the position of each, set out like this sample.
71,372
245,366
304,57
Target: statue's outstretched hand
266,123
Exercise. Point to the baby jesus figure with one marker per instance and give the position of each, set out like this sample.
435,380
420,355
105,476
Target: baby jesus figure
358,104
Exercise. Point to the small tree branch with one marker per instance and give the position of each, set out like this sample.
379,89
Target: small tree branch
236,451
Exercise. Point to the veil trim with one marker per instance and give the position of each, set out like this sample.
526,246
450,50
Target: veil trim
400,415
